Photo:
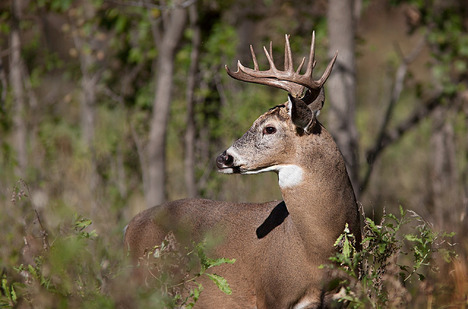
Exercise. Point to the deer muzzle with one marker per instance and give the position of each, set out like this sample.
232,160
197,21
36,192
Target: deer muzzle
224,161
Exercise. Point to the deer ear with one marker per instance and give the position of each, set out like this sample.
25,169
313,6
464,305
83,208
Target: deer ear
301,115
315,100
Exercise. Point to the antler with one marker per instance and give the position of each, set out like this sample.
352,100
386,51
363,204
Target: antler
289,80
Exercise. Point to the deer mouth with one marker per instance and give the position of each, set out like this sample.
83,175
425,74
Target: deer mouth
230,170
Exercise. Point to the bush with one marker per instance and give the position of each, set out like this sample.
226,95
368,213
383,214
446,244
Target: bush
392,266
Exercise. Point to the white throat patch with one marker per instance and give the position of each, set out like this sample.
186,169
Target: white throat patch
289,175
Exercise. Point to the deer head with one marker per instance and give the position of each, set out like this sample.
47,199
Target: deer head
271,142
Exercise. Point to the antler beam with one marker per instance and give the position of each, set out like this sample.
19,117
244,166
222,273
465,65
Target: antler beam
288,79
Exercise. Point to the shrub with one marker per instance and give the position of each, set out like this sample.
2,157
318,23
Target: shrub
395,258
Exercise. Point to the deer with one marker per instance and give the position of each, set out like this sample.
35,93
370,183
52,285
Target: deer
278,245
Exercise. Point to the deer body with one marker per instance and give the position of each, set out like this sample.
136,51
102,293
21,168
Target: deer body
278,246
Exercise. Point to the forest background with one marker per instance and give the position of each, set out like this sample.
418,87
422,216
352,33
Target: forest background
108,107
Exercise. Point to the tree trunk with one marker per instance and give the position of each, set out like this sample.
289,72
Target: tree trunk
190,133
156,191
88,102
88,116
342,84
16,80
445,192
464,175
89,83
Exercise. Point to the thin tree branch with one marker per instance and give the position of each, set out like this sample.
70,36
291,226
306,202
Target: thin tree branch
20,186
391,136
394,97
113,96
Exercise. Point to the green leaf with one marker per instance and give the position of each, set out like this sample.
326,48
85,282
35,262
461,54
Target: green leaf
217,262
402,211
338,240
382,248
449,235
121,24
135,55
194,295
346,248
13,294
60,5
372,225
221,283
412,237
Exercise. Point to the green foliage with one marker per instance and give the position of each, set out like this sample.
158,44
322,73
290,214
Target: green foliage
175,271
447,36
80,225
4,24
76,268
207,263
72,273
8,296
381,273
221,44
65,272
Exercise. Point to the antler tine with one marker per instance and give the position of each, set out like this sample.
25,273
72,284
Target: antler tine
327,72
299,68
254,58
311,62
271,49
288,62
270,59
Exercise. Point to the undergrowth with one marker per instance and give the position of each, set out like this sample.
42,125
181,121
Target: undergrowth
174,272
397,256
74,268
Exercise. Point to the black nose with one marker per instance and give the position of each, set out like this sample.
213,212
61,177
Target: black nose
224,160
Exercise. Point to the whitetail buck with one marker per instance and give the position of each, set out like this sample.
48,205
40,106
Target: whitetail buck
279,245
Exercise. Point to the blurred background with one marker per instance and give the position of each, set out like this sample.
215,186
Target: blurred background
108,107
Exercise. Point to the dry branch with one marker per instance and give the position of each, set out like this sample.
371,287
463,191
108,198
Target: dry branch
395,96
391,136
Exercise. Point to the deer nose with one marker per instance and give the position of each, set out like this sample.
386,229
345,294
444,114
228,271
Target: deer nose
224,160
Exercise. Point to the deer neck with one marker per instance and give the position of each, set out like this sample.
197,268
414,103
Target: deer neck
318,194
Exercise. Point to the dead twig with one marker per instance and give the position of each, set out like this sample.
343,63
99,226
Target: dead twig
21,190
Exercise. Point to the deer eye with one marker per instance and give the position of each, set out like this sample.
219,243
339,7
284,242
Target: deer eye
269,130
